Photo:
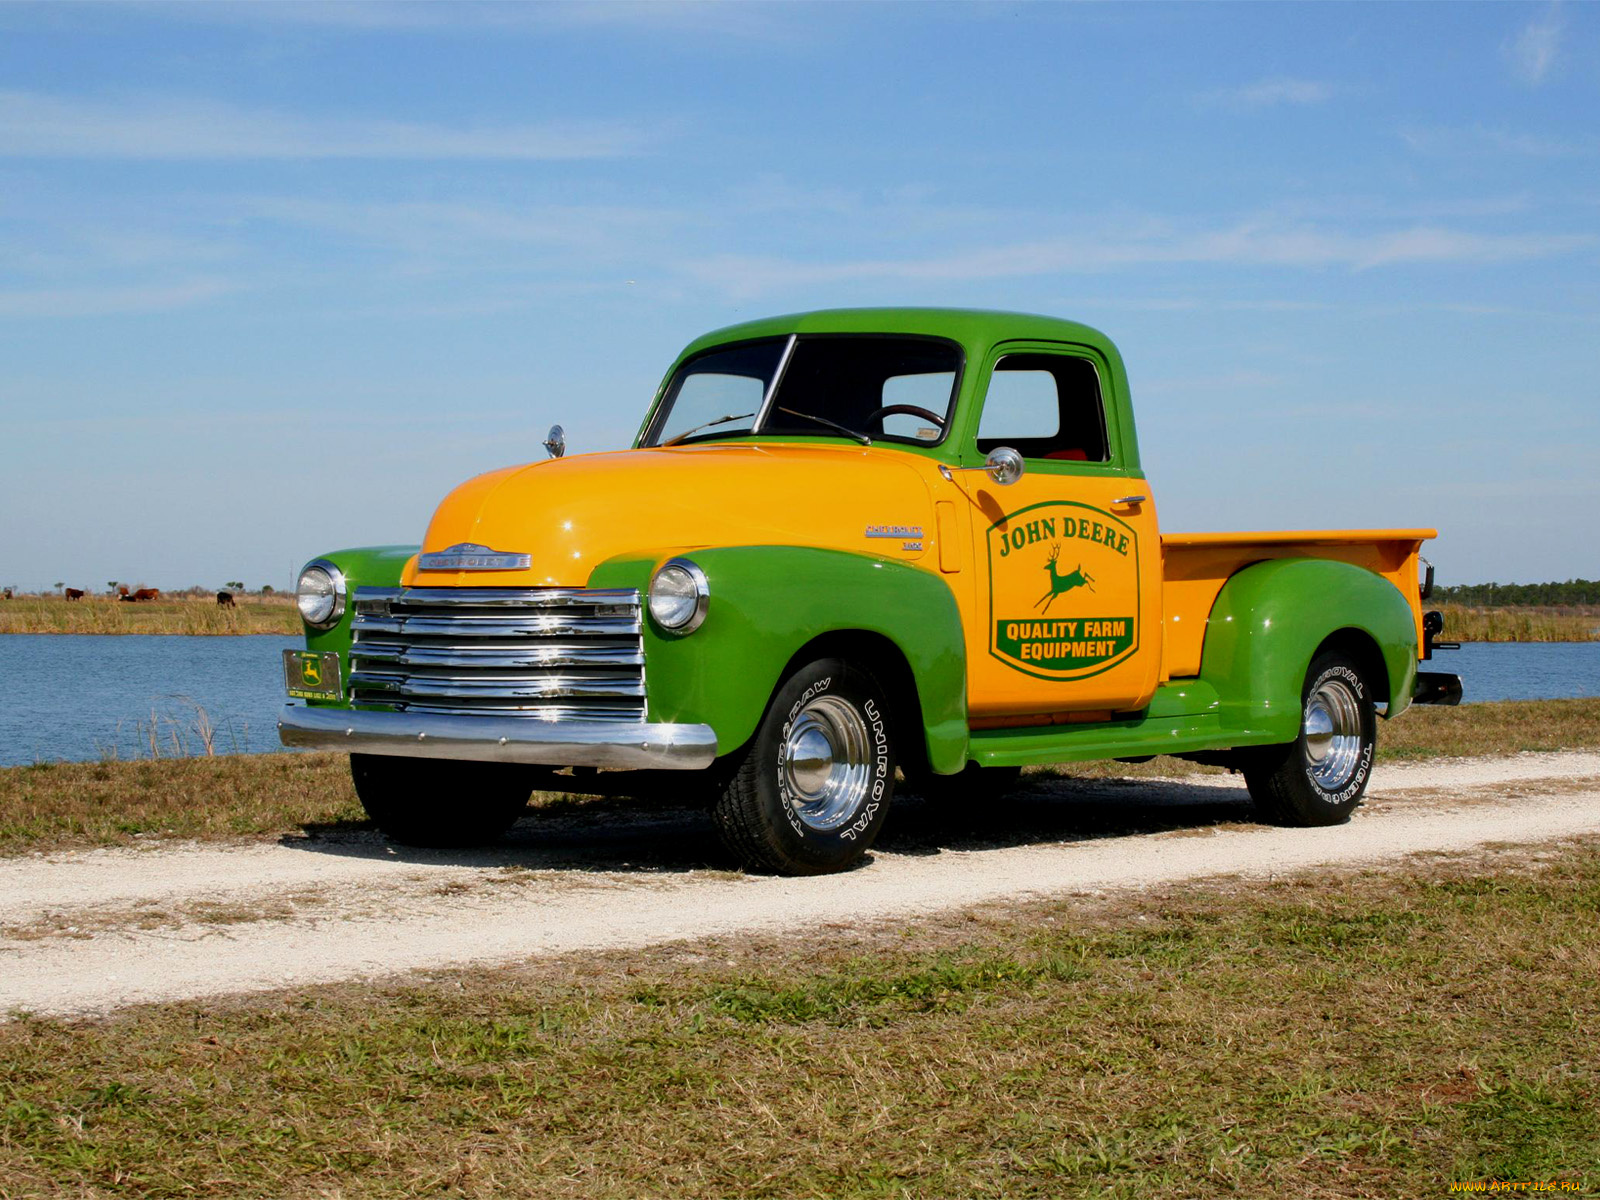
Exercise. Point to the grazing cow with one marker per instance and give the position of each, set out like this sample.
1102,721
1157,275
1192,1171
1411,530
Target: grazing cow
225,600
147,594
74,593
122,590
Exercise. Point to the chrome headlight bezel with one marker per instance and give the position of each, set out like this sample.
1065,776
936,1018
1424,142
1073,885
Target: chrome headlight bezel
681,609
333,592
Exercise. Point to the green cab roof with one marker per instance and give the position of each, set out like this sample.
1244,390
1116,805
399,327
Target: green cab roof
977,331
974,328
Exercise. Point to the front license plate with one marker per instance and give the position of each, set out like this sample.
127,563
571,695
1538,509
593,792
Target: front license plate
309,675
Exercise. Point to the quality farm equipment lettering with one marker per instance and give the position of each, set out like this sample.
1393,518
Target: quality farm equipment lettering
1100,593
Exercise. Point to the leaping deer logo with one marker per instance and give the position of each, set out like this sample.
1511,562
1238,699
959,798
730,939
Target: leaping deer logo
1060,583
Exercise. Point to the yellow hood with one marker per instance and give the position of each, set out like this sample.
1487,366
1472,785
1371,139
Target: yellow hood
571,514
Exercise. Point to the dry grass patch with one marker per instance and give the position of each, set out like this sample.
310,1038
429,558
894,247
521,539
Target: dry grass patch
1364,1034
105,614
59,805
1510,727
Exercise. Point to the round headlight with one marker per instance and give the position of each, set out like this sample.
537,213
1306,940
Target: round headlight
320,594
679,596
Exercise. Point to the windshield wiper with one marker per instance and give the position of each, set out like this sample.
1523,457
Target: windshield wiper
849,433
707,425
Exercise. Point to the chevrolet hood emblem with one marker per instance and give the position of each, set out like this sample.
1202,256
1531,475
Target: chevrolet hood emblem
469,556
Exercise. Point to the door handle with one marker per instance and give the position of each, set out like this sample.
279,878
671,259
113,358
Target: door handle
1130,500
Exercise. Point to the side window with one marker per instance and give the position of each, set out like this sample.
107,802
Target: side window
1046,406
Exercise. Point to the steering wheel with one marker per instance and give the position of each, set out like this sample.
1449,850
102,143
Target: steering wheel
908,410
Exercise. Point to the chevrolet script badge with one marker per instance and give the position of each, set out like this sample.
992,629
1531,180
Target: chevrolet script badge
469,556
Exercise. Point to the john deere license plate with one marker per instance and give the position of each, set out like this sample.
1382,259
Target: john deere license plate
309,675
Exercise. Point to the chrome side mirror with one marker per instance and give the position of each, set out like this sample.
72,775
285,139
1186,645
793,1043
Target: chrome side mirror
555,442
1004,465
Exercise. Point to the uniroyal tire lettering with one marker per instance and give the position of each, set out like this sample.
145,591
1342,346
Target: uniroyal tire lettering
880,774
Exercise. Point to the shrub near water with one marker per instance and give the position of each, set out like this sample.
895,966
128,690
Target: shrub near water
105,614
1463,624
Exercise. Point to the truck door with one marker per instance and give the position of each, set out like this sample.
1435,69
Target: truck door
1068,559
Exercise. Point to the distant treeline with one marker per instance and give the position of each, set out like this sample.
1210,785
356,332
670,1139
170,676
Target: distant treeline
1517,595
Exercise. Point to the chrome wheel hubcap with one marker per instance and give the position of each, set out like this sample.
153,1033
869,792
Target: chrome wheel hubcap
1332,734
826,763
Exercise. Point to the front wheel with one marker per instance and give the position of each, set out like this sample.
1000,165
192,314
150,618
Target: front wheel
1320,777
441,802
812,790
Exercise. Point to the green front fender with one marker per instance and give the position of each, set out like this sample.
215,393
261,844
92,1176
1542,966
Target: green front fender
364,566
767,603
1269,620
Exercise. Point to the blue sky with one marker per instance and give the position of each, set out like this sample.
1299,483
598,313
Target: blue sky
274,277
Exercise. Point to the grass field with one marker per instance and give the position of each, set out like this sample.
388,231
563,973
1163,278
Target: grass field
276,614
55,805
104,614
1358,1035
1462,624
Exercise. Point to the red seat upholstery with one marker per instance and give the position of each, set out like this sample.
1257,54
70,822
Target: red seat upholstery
1074,455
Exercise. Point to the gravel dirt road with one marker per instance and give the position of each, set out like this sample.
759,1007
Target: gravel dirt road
87,932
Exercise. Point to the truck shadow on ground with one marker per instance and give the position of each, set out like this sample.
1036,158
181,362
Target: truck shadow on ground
673,834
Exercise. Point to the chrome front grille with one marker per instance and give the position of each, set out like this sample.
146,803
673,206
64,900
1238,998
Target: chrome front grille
557,654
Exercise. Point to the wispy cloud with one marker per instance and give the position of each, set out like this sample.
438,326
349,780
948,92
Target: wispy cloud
36,125
646,17
1477,139
1534,51
1244,245
97,301
457,226
1269,93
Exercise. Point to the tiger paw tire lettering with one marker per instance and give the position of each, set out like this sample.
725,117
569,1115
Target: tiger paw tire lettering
1320,777
814,786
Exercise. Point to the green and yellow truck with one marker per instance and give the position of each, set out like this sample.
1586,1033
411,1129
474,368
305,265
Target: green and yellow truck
847,548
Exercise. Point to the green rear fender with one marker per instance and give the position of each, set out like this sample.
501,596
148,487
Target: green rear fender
1269,621
769,603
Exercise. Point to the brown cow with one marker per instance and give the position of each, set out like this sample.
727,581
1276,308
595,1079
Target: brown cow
147,594
225,600
122,590
74,593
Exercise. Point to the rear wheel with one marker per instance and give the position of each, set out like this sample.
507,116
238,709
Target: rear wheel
812,790
1320,777
441,802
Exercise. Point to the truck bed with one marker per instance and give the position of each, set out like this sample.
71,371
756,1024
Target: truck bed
1195,566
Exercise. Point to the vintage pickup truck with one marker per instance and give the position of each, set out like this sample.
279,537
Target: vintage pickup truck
845,544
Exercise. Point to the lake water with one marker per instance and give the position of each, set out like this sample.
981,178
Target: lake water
83,696
69,696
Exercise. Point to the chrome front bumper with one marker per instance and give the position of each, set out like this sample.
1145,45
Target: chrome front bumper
500,739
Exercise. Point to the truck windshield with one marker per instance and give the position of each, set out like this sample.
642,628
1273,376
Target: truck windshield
864,386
